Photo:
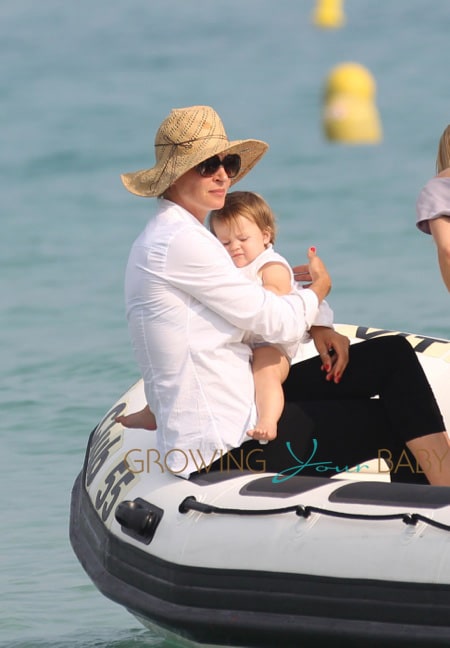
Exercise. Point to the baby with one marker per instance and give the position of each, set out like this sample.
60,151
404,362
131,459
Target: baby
246,228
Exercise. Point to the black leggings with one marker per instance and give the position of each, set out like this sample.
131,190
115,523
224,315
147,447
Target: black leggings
326,427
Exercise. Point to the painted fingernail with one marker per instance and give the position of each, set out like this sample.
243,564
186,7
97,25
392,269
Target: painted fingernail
312,248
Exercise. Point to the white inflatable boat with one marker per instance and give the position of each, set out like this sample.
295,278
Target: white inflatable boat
234,558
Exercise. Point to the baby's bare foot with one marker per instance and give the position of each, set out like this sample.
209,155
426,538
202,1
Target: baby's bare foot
144,420
264,431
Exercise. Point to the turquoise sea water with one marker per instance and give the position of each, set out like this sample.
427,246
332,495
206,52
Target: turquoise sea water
83,87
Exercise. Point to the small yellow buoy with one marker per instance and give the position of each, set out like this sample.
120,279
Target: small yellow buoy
350,114
328,13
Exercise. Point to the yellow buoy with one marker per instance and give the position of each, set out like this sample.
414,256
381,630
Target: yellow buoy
350,114
328,13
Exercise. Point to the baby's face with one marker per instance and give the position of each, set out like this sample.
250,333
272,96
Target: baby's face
242,239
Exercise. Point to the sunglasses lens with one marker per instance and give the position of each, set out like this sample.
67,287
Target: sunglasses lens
231,164
209,167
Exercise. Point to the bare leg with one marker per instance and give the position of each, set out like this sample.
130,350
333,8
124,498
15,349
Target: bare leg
270,369
433,455
145,419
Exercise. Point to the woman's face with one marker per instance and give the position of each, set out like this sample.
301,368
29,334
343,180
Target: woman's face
198,194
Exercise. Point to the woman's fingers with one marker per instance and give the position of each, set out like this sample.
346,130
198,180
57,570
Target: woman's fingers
301,272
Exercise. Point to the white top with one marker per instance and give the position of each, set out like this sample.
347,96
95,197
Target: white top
433,202
252,270
188,308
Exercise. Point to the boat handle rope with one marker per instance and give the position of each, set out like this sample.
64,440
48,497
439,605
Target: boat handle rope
192,504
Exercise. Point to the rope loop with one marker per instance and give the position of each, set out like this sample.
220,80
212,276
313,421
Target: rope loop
303,511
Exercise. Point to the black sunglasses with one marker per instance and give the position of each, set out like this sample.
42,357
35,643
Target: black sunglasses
231,164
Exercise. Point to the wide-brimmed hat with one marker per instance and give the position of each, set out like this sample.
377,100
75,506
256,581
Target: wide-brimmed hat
185,138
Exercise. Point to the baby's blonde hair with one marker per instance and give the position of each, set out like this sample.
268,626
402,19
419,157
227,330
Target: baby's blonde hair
248,204
443,156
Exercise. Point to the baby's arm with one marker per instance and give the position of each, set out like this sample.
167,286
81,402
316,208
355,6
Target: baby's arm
276,278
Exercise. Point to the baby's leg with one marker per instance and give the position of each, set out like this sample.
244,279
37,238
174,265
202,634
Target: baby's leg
270,369
145,419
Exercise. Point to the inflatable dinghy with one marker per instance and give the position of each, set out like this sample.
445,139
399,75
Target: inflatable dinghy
236,558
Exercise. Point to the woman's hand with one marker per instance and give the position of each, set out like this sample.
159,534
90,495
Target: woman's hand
333,351
301,273
321,280
314,271
314,274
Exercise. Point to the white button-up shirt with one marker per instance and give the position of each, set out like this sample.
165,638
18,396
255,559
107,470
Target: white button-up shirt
188,308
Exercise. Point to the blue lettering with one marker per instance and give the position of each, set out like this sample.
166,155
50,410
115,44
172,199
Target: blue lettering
320,466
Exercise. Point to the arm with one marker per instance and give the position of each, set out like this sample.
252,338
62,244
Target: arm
276,277
198,265
331,346
440,229
325,314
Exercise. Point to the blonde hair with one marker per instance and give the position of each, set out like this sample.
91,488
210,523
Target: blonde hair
249,205
443,156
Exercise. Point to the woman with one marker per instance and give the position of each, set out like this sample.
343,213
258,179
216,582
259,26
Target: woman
189,308
433,207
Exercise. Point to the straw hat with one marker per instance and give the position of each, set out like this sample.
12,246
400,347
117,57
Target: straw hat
185,138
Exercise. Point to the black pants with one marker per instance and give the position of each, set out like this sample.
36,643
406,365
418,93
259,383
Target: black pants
326,427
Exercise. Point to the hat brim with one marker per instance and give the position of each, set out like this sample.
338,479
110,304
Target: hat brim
151,183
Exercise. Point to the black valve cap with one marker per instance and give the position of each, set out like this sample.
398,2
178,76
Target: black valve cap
138,519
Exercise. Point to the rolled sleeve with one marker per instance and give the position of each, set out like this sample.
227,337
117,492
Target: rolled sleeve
311,307
325,315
